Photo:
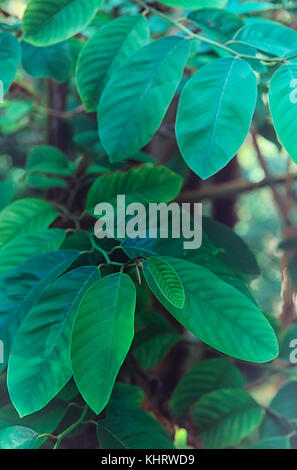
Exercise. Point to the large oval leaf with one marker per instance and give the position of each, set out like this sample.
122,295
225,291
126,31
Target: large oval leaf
167,280
224,417
21,287
212,119
104,53
53,21
220,315
102,335
203,378
270,37
283,106
51,62
137,96
10,58
25,216
44,339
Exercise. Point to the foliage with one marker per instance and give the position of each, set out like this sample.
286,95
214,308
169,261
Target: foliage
138,342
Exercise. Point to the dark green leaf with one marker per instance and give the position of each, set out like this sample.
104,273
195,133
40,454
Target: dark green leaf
224,417
127,119
104,53
220,315
212,119
205,377
102,335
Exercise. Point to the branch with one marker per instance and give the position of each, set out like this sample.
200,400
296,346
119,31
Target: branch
202,38
62,114
236,187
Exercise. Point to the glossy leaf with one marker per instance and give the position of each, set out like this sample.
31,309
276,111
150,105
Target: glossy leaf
50,22
220,315
25,216
52,62
44,338
283,105
212,119
10,58
102,335
104,53
203,378
127,120
21,287
17,437
224,417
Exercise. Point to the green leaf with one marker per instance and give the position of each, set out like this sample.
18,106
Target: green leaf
154,337
190,4
43,422
284,409
220,25
270,37
104,53
145,184
23,247
7,190
248,7
220,315
21,287
273,443
127,120
44,338
167,280
212,119
282,103
128,427
50,22
203,378
224,417
52,62
25,216
10,58
233,250
50,160
123,398
102,335
136,430
17,437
